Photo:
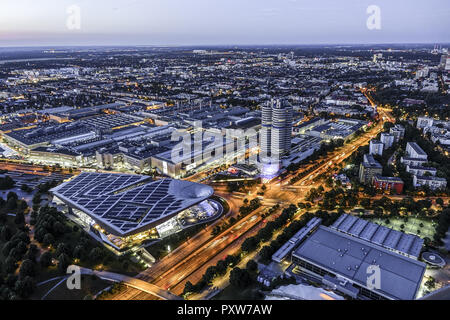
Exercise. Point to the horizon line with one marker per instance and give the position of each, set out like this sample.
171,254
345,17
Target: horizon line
223,45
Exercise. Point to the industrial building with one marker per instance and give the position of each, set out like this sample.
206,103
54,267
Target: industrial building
342,256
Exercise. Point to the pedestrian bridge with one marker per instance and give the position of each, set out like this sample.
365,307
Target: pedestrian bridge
133,282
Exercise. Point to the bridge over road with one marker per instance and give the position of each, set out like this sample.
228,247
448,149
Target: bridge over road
132,282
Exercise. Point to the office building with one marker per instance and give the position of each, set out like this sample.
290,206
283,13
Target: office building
414,151
421,171
424,122
276,131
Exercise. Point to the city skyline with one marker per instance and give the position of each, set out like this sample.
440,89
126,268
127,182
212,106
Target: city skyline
210,150
174,23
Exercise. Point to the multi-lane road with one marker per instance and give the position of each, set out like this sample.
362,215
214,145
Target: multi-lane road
190,261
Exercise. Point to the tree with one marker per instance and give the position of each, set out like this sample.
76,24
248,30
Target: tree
46,259
221,267
62,248
95,254
252,266
249,244
240,278
188,288
266,253
58,228
27,268
78,252
63,263
12,195
430,283
11,204
6,183
25,287
3,217
210,274
6,233
48,239
231,260
19,219
10,265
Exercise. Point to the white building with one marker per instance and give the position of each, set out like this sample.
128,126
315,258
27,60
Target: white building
433,182
424,122
420,171
387,140
398,131
414,151
376,147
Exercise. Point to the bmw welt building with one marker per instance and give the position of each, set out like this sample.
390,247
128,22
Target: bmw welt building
124,210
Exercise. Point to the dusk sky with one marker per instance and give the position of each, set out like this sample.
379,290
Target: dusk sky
216,22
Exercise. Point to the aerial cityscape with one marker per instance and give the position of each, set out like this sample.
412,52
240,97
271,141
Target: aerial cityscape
197,169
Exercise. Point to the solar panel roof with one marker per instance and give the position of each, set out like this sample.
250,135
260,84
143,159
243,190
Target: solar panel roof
129,203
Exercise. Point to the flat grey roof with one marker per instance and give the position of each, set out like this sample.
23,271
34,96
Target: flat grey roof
350,257
408,244
287,248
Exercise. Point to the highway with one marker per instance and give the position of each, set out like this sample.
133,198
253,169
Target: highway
189,261
175,268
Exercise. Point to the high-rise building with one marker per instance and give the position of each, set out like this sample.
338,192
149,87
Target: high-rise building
276,131
398,131
377,56
376,147
387,140
414,151
368,169
444,61
266,130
